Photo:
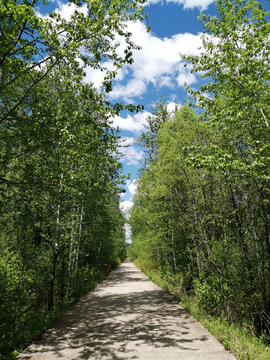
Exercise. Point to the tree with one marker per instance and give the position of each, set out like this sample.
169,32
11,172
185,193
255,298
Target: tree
235,98
202,225
59,205
148,139
31,42
59,172
234,104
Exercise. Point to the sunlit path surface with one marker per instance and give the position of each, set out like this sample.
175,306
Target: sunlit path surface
126,317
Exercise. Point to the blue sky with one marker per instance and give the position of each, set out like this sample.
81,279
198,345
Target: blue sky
157,69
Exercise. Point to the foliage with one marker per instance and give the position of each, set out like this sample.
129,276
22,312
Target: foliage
235,98
23,310
207,230
148,139
60,175
32,42
237,340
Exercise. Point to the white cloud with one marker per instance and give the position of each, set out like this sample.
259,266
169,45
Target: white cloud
127,228
65,10
126,141
186,78
132,186
136,87
188,4
185,75
131,155
133,123
166,81
171,106
96,76
126,205
158,62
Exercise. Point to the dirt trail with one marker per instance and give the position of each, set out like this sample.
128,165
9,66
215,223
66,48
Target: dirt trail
127,316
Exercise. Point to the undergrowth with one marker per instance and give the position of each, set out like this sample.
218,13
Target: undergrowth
237,340
36,322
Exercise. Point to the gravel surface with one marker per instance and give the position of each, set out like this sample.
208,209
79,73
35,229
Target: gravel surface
127,316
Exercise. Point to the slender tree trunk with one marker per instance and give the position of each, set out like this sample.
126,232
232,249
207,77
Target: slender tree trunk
79,238
70,266
55,249
173,253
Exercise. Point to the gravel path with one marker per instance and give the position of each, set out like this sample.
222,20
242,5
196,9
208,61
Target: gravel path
127,316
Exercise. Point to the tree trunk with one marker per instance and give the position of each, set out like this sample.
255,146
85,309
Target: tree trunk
79,238
55,249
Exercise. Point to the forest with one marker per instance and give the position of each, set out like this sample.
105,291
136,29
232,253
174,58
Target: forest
60,173
201,216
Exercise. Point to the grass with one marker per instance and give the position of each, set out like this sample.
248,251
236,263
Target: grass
238,341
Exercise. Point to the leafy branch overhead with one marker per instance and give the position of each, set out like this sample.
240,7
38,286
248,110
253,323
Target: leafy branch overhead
91,37
235,98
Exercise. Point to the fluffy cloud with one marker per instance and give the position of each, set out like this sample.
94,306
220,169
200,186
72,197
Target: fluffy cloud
171,106
126,205
135,88
131,155
126,141
127,229
132,186
128,233
133,123
96,76
65,10
158,62
166,81
188,4
186,78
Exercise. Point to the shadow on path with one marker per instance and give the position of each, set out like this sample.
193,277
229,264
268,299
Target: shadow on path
125,317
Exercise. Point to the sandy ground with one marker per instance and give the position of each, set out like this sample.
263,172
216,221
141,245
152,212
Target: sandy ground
127,316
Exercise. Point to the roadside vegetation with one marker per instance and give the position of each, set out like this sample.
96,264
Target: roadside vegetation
201,213
238,340
60,173
24,324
